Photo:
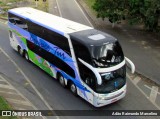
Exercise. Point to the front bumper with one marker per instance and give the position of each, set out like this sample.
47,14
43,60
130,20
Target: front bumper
105,99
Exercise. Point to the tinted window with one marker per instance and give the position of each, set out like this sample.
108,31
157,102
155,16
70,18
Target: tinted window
56,39
107,55
81,51
51,58
35,29
18,21
50,36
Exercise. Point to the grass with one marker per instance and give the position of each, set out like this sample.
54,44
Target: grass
90,3
31,3
5,106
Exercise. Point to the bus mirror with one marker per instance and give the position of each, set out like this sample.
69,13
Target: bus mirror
130,64
99,79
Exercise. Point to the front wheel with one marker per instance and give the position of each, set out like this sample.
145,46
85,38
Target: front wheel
61,80
73,89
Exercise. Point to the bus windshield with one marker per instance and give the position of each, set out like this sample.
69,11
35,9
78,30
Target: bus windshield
106,55
112,81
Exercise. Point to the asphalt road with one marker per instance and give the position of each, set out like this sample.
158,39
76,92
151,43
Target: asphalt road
58,97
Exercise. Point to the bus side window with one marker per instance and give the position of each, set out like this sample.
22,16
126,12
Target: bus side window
86,74
57,39
20,22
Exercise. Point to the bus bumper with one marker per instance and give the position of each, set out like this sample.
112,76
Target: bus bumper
105,99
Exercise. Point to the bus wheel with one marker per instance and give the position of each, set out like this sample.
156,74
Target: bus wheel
26,55
20,50
73,88
61,80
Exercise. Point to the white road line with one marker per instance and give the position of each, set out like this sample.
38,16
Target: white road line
152,89
153,94
18,102
38,93
136,80
7,92
6,86
84,14
1,79
1,22
143,93
59,8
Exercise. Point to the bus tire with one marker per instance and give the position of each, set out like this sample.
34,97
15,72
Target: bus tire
26,56
73,88
61,80
20,51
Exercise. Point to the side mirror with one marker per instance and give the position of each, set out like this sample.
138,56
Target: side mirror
130,64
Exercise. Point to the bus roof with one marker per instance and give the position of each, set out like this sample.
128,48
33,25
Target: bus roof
48,20
82,33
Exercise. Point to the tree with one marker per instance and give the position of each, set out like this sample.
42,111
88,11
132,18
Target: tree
146,12
111,9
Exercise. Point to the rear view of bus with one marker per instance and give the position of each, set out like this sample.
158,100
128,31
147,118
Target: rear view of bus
101,65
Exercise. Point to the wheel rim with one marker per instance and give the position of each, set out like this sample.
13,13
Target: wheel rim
73,88
21,51
26,56
61,80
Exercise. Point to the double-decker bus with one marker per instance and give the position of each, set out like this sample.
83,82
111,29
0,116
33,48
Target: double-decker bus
89,62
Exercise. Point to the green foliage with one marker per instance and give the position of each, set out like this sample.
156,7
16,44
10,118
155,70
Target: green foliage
112,9
146,12
5,106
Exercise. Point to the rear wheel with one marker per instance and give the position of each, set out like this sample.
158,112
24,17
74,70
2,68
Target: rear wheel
61,80
26,56
20,50
73,88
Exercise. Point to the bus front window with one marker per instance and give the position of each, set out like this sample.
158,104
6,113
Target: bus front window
106,55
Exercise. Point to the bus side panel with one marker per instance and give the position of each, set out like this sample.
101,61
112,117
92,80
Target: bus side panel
16,38
42,63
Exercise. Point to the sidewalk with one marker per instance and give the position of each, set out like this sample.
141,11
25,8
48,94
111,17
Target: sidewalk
142,47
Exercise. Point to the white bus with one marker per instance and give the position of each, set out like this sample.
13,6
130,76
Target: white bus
87,61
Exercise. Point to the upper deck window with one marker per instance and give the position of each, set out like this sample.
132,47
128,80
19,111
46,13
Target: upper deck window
106,55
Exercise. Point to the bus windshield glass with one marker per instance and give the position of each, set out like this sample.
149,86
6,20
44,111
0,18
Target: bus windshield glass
112,81
106,55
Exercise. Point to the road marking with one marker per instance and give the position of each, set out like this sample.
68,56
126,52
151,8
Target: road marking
6,86
38,93
2,79
136,80
83,13
153,94
9,92
2,22
18,101
143,93
152,89
59,8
